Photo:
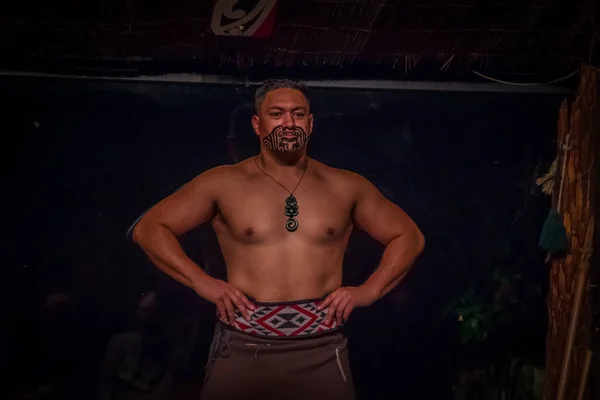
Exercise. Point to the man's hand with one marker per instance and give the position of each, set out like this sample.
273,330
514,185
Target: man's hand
225,296
345,299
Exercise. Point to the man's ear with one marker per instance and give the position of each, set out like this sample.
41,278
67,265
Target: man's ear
255,121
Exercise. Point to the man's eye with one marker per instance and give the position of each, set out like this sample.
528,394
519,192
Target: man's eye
276,114
299,115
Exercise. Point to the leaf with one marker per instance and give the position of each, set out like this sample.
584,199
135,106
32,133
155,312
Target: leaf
466,335
450,308
472,310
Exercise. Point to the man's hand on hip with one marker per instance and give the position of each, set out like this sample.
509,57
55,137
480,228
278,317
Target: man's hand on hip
345,299
225,296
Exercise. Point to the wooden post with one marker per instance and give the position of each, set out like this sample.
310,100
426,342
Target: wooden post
576,208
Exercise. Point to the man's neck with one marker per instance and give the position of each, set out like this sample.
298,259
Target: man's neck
282,161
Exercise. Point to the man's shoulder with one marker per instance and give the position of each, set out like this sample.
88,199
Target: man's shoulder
352,185
341,175
218,181
349,182
226,170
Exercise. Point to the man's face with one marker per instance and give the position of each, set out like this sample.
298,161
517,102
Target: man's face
283,123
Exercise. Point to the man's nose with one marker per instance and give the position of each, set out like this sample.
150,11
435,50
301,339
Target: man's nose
288,120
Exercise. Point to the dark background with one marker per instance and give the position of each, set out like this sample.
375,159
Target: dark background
82,159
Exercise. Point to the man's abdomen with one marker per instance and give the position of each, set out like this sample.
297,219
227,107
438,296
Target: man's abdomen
286,277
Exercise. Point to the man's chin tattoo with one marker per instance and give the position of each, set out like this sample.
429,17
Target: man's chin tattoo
286,141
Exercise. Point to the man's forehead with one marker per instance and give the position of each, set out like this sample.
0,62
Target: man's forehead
285,96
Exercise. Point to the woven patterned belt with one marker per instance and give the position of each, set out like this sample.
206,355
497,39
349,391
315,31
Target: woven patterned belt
297,318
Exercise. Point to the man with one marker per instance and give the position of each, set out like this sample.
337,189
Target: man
283,221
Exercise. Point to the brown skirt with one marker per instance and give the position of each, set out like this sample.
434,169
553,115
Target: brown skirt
248,367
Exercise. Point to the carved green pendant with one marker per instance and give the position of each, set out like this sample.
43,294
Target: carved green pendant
291,210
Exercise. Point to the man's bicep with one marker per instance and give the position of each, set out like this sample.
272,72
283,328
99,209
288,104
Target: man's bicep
378,216
190,206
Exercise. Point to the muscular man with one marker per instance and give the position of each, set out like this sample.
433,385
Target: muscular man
283,221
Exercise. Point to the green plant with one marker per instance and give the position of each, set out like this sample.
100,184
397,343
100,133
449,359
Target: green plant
495,304
474,315
478,314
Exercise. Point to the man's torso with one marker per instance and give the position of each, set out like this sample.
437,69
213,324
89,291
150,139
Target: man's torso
263,258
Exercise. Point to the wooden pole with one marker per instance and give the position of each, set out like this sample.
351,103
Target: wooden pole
570,315
584,374
582,274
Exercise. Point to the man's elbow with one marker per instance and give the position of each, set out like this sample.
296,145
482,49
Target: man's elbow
140,231
420,242
146,230
412,239
136,235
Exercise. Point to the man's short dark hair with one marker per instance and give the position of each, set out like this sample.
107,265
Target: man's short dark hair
274,84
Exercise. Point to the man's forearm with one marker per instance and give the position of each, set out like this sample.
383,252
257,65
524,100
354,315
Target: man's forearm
398,258
164,250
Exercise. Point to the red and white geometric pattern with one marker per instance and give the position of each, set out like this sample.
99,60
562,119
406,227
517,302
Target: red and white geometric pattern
297,319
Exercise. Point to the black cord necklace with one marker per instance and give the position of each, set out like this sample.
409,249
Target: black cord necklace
291,204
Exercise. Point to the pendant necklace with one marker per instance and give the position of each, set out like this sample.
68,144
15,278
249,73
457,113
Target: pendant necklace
291,205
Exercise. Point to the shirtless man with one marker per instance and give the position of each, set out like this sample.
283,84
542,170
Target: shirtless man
283,221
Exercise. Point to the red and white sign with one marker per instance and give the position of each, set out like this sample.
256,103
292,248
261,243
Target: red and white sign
244,18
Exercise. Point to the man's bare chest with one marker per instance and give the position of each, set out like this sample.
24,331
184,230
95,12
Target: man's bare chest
261,212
